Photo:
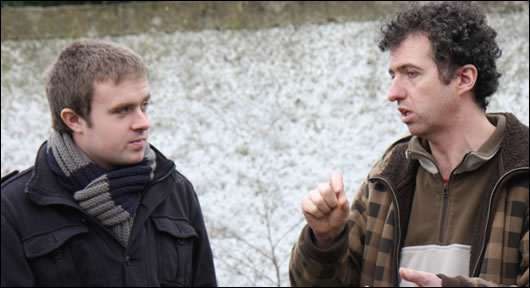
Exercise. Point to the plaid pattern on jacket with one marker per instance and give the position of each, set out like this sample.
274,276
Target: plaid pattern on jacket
367,253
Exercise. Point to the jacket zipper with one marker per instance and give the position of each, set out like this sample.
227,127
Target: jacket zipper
444,212
398,229
483,245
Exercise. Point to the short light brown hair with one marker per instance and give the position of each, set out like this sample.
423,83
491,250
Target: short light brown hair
70,80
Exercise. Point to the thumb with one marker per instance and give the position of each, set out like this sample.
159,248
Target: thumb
342,201
403,273
419,278
411,275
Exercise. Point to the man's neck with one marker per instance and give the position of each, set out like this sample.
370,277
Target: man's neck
465,133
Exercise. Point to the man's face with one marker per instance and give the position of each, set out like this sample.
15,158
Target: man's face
118,135
424,101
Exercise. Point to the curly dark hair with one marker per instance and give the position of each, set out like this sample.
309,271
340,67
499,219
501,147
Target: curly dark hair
459,34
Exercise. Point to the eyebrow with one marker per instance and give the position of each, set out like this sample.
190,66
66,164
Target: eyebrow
128,104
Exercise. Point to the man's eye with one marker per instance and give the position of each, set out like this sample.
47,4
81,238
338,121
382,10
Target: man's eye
412,73
123,110
145,105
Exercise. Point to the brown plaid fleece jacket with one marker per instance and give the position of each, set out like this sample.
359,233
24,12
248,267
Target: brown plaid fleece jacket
367,253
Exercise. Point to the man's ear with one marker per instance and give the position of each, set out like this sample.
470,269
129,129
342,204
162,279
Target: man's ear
72,120
467,77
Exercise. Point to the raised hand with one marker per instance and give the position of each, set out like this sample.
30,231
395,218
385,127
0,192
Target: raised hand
326,211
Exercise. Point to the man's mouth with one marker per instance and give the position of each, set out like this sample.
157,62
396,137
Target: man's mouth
139,143
405,114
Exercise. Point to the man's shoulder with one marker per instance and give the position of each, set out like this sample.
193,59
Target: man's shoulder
9,176
515,142
15,180
394,160
165,165
13,195
397,149
182,180
166,170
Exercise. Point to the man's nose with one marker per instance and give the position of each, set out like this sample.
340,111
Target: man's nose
141,121
397,92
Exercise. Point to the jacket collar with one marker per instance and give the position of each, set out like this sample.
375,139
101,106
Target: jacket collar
418,150
514,146
401,172
513,149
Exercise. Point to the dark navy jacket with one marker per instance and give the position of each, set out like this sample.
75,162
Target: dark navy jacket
47,240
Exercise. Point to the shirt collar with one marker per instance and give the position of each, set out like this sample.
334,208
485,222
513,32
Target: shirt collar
472,160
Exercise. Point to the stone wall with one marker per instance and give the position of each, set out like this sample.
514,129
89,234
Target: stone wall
171,16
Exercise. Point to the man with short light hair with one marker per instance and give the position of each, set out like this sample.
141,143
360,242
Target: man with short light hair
101,206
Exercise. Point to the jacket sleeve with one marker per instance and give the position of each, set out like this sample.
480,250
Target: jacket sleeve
15,269
203,268
340,264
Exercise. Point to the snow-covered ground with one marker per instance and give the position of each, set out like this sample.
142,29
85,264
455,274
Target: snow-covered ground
255,119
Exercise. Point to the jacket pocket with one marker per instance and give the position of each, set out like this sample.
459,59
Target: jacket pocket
52,258
175,243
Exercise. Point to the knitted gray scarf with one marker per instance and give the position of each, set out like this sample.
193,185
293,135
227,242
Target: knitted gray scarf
111,197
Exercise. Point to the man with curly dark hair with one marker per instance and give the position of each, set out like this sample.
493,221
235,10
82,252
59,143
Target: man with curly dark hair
447,205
